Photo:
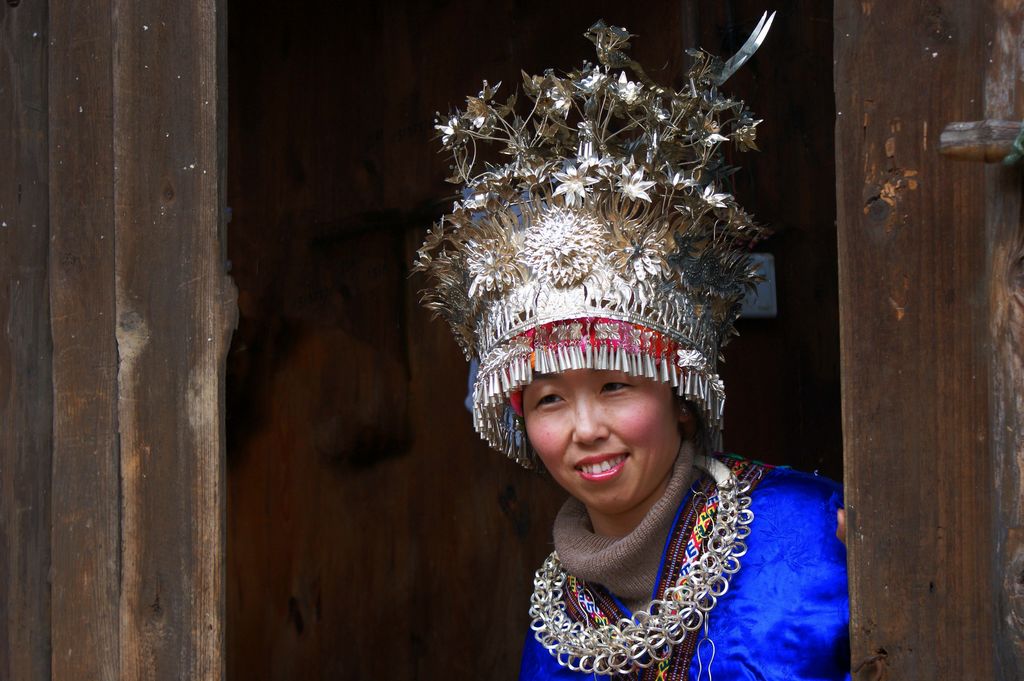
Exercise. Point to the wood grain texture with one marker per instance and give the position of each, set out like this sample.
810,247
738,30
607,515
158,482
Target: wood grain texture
174,314
912,264
111,240
1004,234
86,486
26,406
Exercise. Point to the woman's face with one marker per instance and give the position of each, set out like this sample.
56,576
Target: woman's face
608,438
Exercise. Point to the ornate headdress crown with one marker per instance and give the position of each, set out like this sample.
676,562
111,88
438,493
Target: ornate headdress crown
604,240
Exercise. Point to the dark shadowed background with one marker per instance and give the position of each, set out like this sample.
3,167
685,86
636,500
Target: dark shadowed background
371,533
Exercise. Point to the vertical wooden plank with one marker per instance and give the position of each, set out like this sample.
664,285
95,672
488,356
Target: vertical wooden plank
25,344
1004,234
913,335
175,310
86,513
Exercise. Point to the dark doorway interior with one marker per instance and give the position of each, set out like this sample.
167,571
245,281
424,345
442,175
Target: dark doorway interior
371,533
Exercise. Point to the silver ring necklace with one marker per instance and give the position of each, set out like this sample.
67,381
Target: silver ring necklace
652,633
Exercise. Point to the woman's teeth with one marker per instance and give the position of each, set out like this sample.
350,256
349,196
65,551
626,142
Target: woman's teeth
603,466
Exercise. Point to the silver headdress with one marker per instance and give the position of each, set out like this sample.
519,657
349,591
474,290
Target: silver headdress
601,234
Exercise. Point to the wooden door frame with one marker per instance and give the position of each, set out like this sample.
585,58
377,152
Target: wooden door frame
1004,236
114,439
931,328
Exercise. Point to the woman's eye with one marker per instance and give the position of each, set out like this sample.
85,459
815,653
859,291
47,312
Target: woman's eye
612,387
548,399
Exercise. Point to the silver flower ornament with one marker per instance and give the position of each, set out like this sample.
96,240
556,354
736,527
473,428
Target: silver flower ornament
627,90
633,185
573,185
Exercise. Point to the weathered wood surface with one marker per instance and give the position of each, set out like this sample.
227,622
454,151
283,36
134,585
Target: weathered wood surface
174,315
86,510
1004,235
988,141
25,378
117,315
914,333
357,487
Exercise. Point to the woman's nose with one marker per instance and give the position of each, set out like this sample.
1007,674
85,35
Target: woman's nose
589,425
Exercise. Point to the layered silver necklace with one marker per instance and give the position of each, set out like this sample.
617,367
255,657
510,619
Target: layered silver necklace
651,634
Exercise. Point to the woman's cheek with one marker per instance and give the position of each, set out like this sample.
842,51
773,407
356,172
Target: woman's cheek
544,437
636,422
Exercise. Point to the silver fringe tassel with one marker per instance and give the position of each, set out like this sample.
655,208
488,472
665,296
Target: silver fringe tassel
494,419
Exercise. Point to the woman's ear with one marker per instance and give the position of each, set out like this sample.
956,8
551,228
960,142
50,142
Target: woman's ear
687,421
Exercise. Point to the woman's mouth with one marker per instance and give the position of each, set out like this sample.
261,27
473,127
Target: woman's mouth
601,469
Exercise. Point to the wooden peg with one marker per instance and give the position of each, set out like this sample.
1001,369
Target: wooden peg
988,141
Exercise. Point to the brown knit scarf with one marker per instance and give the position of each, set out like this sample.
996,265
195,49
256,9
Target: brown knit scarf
628,565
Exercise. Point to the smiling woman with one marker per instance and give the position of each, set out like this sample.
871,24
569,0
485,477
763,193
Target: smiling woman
608,438
595,276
